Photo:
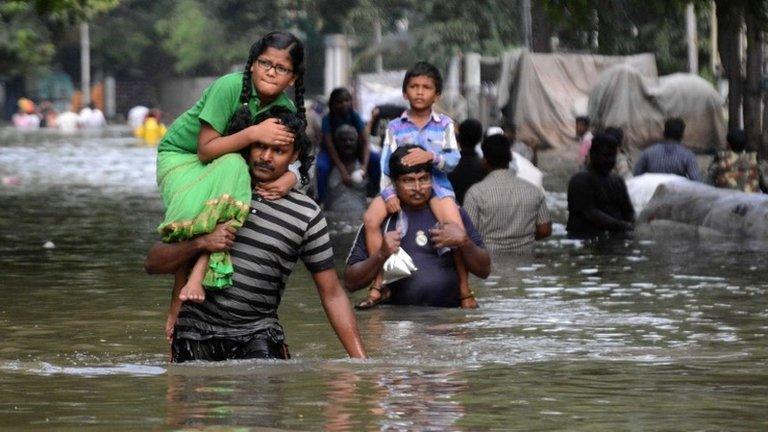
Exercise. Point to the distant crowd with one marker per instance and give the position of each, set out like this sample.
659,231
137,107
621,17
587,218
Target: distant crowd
30,116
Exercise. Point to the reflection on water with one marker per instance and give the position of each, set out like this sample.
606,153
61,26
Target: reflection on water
664,331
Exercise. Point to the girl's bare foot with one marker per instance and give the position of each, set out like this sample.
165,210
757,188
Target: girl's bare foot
170,321
193,292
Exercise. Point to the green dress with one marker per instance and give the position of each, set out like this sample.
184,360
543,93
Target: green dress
198,196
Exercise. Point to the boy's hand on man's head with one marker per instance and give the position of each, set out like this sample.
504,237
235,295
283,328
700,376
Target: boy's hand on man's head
418,156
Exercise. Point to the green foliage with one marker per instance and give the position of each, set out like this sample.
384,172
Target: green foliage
626,27
25,45
192,35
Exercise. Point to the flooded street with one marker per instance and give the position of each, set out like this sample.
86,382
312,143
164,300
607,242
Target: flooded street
666,331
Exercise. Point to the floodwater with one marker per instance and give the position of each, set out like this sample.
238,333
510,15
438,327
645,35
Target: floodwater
662,332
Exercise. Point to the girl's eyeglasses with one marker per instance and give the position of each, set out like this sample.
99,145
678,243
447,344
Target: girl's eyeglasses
266,65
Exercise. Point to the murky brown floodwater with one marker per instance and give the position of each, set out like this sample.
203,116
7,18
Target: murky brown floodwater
663,332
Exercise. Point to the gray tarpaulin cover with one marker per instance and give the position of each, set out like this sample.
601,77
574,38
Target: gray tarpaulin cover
544,89
726,211
638,104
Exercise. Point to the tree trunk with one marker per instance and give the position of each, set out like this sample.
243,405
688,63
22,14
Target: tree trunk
753,91
729,17
541,28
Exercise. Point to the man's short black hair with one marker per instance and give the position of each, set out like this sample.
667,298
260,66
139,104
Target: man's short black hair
496,151
424,69
602,153
674,128
737,140
396,167
470,132
615,132
583,119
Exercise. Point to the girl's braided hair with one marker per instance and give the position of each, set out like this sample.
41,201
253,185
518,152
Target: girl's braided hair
301,142
278,40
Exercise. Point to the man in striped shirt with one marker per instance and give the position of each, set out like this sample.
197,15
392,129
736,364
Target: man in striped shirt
509,212
669,156
241,321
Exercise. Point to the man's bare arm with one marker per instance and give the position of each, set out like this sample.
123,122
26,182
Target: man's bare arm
360,274
166,258
339,311
543,230
477,259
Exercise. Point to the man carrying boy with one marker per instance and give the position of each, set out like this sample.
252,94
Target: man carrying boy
436,282
241,322
434,142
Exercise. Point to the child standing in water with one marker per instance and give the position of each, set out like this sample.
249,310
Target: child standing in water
434,134
202,177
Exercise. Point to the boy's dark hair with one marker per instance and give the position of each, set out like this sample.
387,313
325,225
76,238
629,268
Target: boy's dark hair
583,119
301,142
278,40
496,151
470,132
602,153
674,128
737,140
396,167
338,94
424,69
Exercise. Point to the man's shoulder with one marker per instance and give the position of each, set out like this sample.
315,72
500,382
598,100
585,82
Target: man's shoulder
580,178
525,186
299,202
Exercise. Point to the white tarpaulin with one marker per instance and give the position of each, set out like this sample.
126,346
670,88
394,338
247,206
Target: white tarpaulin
625,98
378,89
545,89
723,210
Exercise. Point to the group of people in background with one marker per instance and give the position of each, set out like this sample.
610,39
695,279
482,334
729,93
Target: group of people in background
598,201
30,116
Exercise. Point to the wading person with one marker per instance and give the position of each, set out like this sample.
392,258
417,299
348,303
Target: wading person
669,156
349,198
240,322
340,112
509,212
737,167
598,201
435,140
470,169
202,177
436,280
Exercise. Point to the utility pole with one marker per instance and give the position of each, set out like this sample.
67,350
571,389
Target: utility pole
377,43
85,63
692,36
526,24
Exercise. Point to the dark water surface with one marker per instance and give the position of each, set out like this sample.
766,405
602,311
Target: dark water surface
662,332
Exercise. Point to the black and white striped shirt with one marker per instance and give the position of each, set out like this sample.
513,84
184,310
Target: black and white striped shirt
275,235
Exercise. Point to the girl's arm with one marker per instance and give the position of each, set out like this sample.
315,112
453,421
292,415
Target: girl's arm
211,144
